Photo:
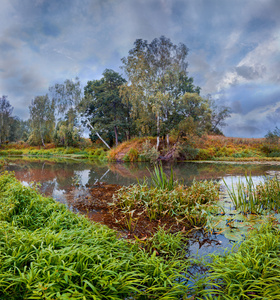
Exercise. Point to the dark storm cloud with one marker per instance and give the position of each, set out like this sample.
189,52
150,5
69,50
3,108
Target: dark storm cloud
249,72
234,46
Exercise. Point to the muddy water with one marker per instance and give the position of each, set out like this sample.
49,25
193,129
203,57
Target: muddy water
78,180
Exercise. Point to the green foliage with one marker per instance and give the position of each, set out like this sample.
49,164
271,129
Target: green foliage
272,137
204,154
166,244
244,153
132,155
42,120
157,74
251,272
186,204
149,152
187,151
6,119
159,179
48,252
68,133
104,108
274,154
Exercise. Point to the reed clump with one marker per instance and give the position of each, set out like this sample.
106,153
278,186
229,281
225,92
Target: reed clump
256,199
48,252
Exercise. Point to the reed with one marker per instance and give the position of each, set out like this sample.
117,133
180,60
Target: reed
160,180
48,252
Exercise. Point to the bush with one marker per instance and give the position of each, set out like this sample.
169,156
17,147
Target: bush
131,155
149,152
204,154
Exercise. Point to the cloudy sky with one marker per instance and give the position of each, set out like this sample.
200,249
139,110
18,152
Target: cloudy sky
234,49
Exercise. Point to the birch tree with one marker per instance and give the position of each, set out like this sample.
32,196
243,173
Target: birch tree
42,121
6,110
155,72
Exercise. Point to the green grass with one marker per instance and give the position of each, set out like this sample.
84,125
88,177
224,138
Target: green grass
255,199
251,272
48,252
160,180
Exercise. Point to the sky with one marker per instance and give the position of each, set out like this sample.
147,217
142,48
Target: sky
234,49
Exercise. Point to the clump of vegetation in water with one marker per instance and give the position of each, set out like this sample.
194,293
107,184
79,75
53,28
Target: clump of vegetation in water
166,198
48,252
251,272
255,199
160,180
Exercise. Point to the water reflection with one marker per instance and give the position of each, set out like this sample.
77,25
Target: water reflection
61,175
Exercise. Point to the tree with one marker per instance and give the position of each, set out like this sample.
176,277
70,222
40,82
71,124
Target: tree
42,120
193,115
157,74
272,137
6,110
219,114
66,95
66,98
103,106
67,132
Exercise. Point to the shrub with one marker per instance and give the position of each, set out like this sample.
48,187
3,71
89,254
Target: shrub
204,154
149,152
70,150
131,155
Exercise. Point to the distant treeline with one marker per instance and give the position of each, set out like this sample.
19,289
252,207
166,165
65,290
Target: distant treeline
156,98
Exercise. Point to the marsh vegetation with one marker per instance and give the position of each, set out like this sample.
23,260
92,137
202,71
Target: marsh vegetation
49,252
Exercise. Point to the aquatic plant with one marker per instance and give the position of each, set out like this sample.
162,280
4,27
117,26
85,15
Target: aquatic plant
189,205
160,180
255,199
166,244
250,272
48,252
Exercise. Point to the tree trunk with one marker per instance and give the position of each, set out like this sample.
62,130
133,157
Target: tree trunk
116,135
158,131
42,141
167,140
98,135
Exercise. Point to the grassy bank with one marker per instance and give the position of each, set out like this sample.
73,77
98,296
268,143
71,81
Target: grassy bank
50,151
144,149
47,252
199,148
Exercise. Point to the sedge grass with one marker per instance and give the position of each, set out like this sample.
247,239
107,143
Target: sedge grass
255,199
48,252
160,180
251,272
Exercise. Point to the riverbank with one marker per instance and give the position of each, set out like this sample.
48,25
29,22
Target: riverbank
205,148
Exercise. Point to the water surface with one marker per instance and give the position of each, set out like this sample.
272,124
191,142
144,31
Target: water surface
59,178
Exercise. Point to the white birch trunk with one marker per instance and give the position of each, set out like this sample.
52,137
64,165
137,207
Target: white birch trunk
98,135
